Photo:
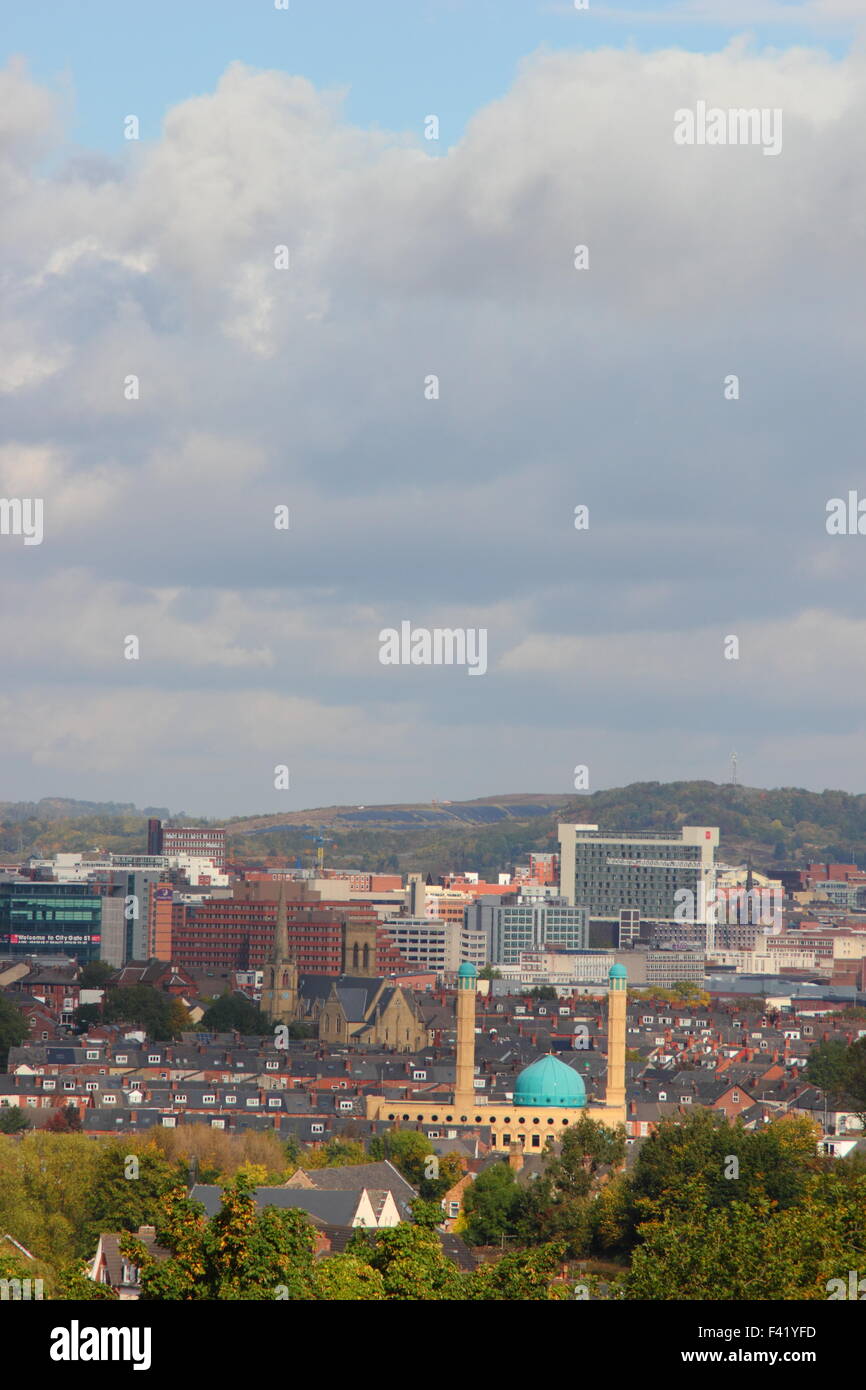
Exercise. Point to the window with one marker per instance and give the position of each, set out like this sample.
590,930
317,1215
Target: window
180,1100
110,1100
274,1102
663,1095
735,1097
272,1066
453,1208
208,1100
92,1056
69,1085
48,1085
120,1059
218,1124
317,1129
231,1100
91,1085
169,1121
685,1100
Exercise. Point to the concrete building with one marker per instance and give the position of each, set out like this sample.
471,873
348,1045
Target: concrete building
529,923
607,872
437,945
664,969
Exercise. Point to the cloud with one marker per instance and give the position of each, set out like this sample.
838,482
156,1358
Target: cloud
261,387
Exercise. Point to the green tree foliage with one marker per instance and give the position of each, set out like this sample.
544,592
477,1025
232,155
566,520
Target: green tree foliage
687,1166
521,1276
425,1213
234,1013
128,1188
13,1120
493,1206
241,1254
828,1068
755,1252
345,1278
411,1262
407,1149
87,1016
13,1030
337,1153
96,974
45,1181
146,1008
76,1286
558,1205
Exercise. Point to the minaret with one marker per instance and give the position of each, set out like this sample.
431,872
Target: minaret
616,1016
280,988
464,1088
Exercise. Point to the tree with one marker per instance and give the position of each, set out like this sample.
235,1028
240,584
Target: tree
558,1205
240,1254
13,1120
64,1120
425,1213
489,972
411,1262
13,1030
128,1188
146,1008
346,1278
827,1067
521,1276
337,1153
96,974
234,1013
706,1162
76,1286
86,1016
408,1150
755,1252
493,1205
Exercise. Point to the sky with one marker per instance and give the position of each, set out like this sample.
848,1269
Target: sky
170,378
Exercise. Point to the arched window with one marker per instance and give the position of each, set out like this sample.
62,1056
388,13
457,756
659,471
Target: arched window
366,956
355,956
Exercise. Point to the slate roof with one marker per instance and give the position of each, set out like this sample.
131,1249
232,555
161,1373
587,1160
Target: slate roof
334,1208
356,1176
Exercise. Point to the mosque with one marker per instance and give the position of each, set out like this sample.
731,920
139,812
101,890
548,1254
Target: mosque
548,1095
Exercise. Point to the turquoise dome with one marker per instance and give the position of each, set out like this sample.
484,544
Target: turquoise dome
550,1082
467,969
618,972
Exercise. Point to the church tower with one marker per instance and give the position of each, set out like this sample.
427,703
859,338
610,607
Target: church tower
280,987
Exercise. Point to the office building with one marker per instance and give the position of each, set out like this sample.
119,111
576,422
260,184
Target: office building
529,923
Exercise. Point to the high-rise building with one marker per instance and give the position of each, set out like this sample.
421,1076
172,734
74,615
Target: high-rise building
529,923
606,872
200,841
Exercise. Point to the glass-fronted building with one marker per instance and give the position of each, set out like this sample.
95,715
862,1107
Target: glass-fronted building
50,919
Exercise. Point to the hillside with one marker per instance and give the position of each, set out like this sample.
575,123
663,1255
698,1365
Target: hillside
769,826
